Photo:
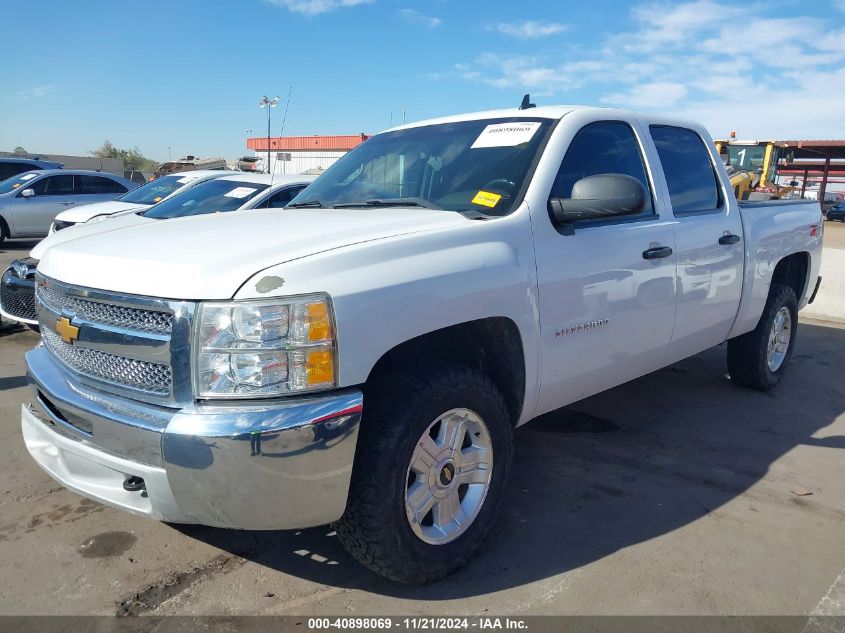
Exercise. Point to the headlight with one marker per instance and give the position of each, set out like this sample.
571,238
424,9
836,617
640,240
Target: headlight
58,225
255,349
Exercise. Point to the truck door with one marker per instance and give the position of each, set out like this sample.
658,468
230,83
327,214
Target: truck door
709,248
606,287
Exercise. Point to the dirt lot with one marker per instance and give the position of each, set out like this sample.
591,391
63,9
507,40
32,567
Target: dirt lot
672,494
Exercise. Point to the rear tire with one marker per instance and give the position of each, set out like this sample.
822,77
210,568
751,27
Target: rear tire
4,231
758,359
404,415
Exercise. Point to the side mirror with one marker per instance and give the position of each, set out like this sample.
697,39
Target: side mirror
27,193
599,197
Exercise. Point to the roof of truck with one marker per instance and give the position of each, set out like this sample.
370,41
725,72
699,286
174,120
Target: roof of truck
552,112
540,112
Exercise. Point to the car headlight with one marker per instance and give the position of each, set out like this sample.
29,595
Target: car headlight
254,349
58,225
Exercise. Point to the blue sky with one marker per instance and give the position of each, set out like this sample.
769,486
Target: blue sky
187,75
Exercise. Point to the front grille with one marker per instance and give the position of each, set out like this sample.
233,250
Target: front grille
18,302
154,378
139,319
137,347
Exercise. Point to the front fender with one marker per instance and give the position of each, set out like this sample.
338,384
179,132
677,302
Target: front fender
392,290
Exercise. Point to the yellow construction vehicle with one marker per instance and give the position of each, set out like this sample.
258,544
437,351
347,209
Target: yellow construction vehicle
752,167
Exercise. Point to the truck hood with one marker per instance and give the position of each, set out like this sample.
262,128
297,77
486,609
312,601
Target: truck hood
211,256
86,229
85,212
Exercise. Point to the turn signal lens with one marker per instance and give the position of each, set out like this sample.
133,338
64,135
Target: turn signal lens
319,368
319,327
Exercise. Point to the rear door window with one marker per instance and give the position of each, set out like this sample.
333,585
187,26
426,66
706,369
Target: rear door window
690,176
93,185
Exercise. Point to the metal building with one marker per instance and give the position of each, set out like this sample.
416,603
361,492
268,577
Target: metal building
302,154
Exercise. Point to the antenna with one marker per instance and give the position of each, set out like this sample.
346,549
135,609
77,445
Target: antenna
526,103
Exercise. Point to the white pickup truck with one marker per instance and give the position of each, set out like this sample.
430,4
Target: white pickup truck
363,356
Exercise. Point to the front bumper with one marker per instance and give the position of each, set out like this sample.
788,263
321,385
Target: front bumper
269,465
17,295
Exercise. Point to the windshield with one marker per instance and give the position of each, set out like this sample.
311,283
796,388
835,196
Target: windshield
475,166
212,196
18,182
155,190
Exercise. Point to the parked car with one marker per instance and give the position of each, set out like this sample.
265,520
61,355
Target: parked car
229,191
17,293
140,198
13,166
29,202
837,211
238,191
467,274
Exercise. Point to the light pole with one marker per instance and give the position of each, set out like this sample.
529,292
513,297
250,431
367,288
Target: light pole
268,103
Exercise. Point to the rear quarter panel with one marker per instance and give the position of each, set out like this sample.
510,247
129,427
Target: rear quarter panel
773,230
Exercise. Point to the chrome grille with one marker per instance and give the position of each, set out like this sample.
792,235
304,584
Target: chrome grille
135,346
138,319
18,302
151,377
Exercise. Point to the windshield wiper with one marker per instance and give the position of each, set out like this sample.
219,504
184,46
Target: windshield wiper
306,204
388,202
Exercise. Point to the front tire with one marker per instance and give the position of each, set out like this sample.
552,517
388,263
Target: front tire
758,359
433,457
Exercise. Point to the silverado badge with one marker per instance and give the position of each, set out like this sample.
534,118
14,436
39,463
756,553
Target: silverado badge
67,330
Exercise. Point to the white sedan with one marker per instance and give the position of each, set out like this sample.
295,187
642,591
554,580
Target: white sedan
144,196
233,192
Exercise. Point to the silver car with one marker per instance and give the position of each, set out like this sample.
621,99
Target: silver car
30,201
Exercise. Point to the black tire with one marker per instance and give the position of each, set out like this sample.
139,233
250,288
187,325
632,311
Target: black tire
747,354
4,231
374,528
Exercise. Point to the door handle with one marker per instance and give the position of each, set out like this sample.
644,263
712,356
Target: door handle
657,252
728,239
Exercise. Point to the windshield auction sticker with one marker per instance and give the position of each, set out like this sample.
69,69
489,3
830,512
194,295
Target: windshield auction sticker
506,134
486,199
240,192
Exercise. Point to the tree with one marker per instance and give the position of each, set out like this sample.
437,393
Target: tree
20,150
132,159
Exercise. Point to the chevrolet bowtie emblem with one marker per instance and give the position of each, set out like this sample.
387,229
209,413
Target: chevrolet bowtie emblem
67,330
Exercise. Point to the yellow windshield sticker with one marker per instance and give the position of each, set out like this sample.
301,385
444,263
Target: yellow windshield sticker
486,199
157,199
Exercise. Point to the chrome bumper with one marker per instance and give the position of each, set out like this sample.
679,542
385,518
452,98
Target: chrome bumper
263,465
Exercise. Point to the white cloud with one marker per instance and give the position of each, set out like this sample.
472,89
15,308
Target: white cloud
650,95
36,92
529,29
729,66
419,18
315,7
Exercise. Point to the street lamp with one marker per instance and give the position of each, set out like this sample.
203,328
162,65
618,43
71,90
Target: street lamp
269,103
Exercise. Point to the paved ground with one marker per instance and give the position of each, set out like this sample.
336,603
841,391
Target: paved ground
668,495
834,234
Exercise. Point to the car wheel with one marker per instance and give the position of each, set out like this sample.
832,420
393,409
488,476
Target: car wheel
433,456
759,358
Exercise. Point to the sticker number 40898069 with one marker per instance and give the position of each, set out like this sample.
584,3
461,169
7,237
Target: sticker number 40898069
506,134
